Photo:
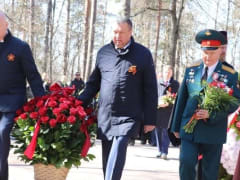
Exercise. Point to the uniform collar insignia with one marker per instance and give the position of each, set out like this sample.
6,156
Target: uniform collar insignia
132,69
11,57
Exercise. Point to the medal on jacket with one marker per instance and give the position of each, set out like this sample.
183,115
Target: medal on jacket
11,57
132,69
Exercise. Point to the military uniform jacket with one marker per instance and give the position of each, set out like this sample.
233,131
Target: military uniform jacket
17,65
128,90
214,130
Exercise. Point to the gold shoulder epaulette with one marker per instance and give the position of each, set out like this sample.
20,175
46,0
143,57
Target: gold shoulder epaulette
228,69
194,64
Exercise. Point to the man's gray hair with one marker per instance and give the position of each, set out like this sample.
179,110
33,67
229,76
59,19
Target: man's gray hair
124,20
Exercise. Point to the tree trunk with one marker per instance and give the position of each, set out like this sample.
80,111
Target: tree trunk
175,30
13,10
104,22
86,35
179,49
157,33
216,18
46,41
126,8
228,12
32,9
51,41
66,45
91,36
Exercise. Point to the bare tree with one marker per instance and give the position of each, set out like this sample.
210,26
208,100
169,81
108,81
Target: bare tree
86,35
66,43
32,34
175,30
91,36
126,8
46,41
158,31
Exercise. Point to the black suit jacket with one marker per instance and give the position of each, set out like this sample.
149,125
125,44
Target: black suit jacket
128,89
17,65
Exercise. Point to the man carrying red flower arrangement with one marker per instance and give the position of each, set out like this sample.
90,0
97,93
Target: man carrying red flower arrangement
16,65
209,132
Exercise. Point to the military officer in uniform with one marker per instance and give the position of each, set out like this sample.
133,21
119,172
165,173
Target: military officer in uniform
210,132
125,76
16,65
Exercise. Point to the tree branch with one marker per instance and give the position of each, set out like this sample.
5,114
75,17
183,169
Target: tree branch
151,9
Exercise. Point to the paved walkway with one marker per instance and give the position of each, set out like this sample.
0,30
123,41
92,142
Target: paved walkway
141,164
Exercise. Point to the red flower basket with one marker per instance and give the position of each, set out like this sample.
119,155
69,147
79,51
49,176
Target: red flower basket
54,129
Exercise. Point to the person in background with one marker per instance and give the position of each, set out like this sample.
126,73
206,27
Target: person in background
16,65
224,50
78,83
125,78
166,86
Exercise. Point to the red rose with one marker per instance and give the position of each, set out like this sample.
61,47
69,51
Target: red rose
55,87
42,111
61,118
33,101
26,108
23,116
53,123
52,103
78,102
71,119
67,102
63,106
238,124
222,85
44,119
73,111
230,92
56,111
81,112
62,99
214,83
88,110
40,103
34,115
18,112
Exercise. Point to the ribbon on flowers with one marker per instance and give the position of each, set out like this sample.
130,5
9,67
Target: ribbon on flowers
32,146
87,142
234,119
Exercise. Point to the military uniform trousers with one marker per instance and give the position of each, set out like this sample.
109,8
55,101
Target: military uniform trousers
114,157
6,124
189,157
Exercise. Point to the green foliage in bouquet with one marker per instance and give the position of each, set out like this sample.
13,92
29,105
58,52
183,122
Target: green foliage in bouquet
215,97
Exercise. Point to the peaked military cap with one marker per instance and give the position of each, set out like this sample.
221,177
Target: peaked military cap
210,39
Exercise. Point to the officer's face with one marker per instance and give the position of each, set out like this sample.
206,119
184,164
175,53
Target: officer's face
3,26
210,57
121,35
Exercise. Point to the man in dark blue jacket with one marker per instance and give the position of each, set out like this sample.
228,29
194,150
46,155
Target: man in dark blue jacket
125,76
16,64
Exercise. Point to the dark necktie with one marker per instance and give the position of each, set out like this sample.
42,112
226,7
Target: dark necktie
205,75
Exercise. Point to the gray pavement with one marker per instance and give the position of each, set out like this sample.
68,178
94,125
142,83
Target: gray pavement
141,164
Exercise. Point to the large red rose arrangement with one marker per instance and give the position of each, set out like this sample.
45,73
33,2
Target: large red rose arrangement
54,129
